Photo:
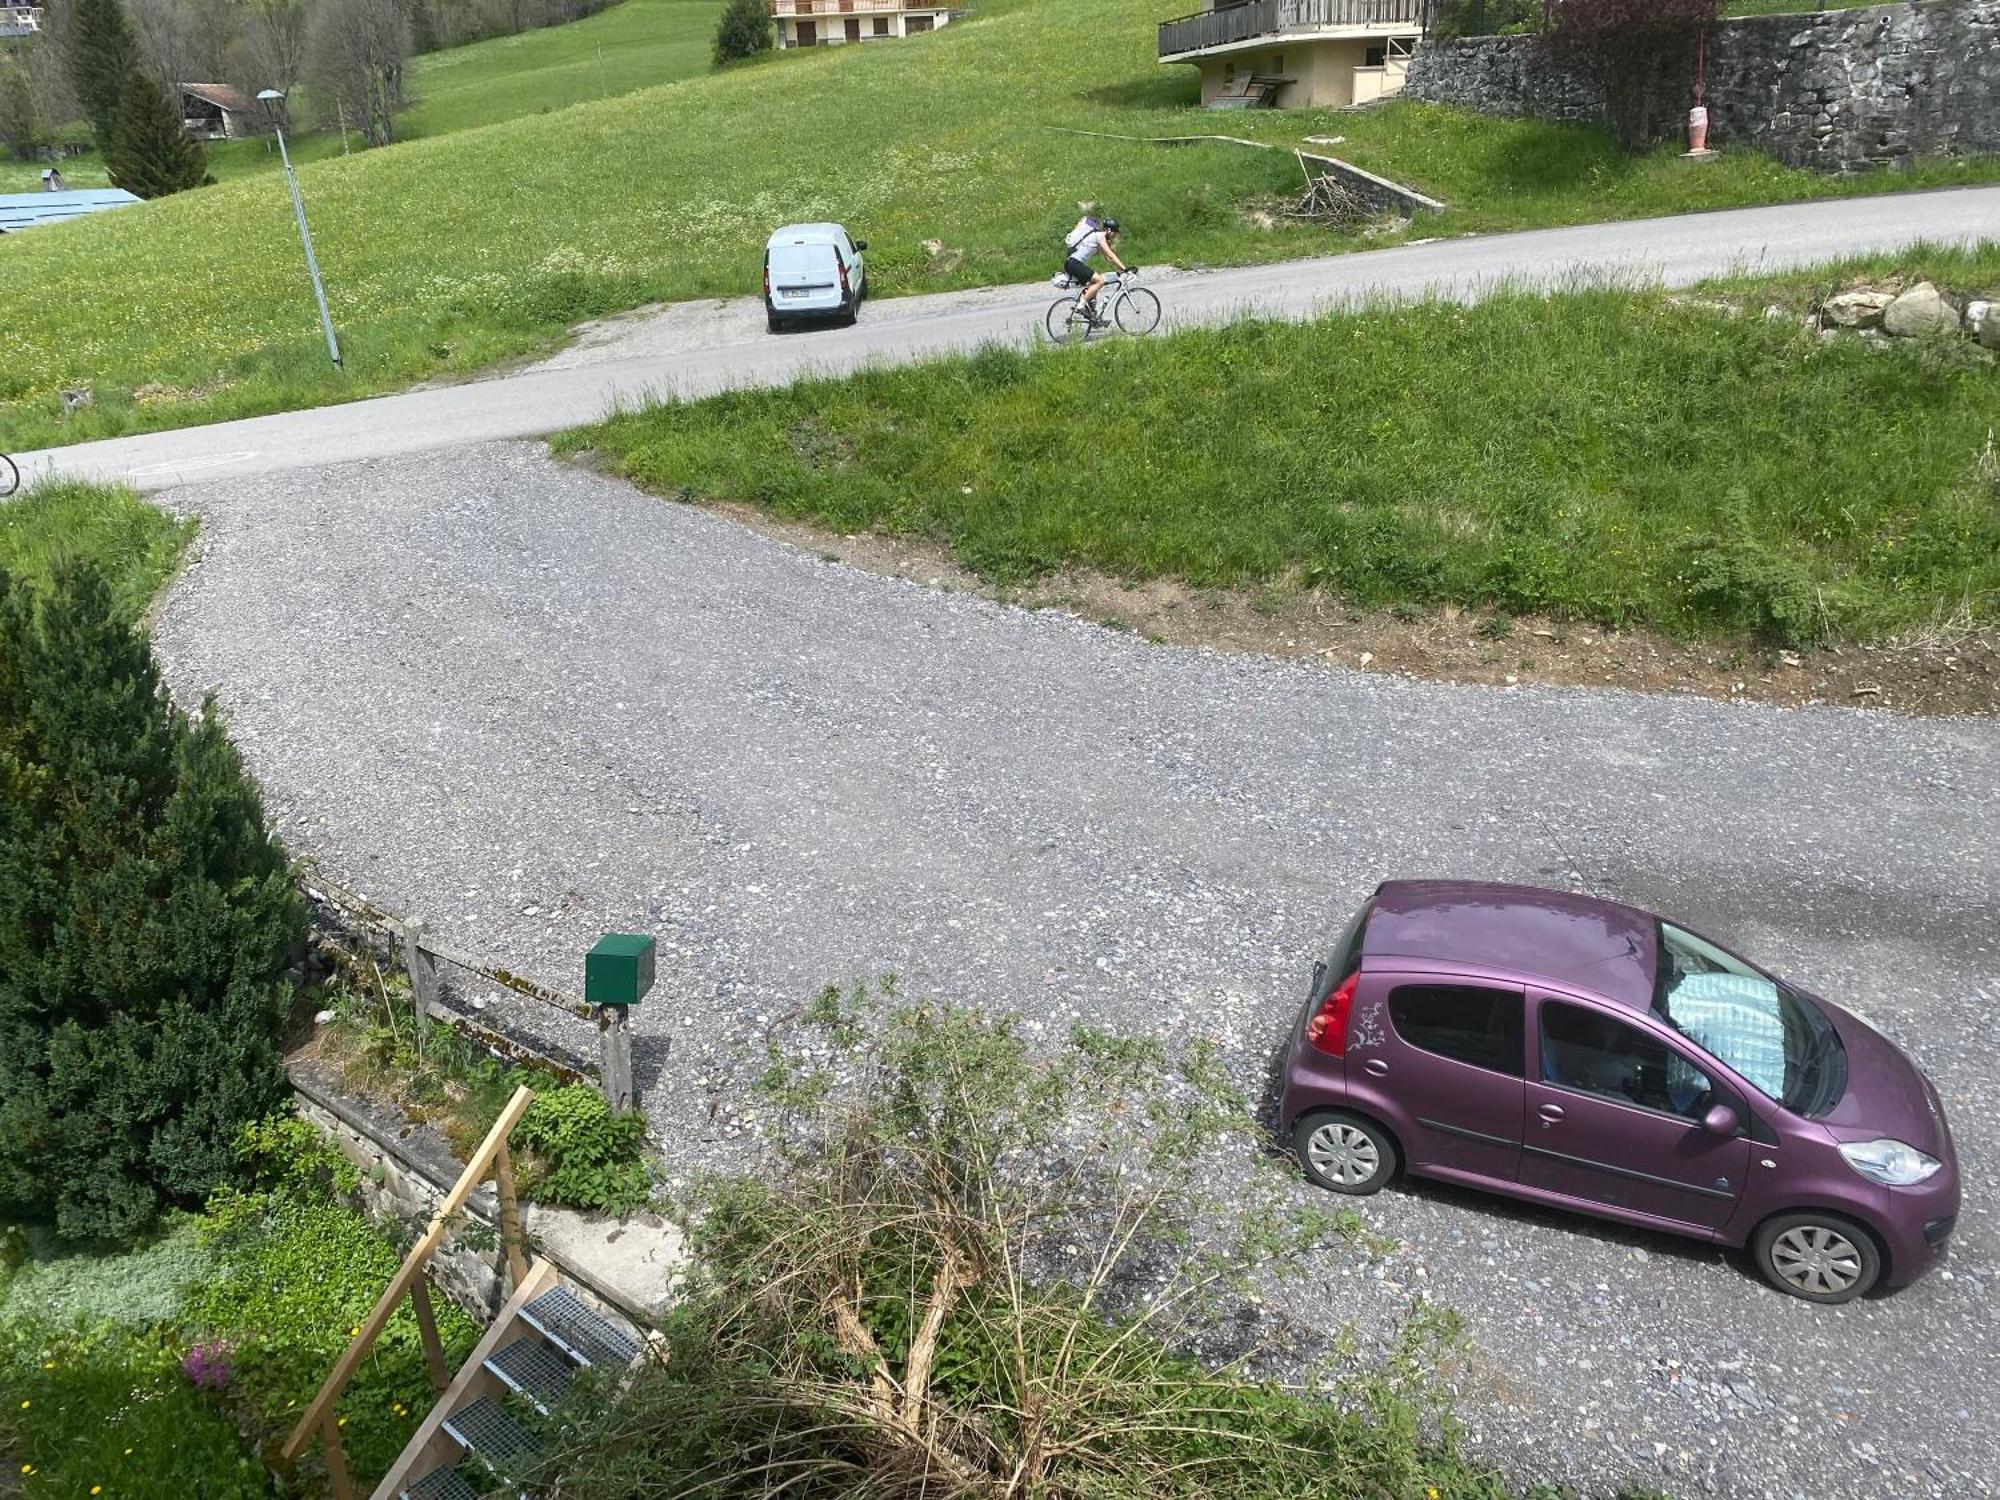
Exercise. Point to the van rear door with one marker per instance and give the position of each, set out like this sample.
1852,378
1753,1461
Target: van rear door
799,273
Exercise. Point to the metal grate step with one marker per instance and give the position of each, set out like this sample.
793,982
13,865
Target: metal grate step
580,1330
533,1369
484,1428
442,1484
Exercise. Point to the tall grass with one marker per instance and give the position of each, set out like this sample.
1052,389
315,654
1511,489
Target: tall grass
1615,456
135,546
450,252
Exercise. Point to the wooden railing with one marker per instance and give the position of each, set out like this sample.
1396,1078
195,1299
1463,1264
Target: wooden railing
1240,23
319,1418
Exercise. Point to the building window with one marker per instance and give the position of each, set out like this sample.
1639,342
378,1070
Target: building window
1278,63
881,26
917,24
1376,57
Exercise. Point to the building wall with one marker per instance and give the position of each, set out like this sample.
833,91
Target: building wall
1837,91
1323,72
832,28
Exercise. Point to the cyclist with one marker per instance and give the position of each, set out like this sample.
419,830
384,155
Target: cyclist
1078,266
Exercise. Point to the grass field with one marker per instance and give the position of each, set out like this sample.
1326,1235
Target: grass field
1627,458
135,546
634,45
451,252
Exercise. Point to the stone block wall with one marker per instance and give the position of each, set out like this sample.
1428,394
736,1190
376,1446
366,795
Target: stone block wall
1836,91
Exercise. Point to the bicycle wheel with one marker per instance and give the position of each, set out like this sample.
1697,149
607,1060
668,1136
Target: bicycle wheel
1065,324
10,477
1138,311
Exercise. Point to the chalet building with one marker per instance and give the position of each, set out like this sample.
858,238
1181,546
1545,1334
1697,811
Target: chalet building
18,21
1296,53
217,112
831,23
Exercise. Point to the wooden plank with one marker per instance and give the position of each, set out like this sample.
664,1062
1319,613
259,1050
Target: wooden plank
510,1215
413,1267
336,1461
427,1331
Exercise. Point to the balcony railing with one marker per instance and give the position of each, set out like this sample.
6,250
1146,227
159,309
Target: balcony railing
840,7
1240,23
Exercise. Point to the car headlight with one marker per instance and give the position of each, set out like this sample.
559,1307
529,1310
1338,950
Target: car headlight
1891,1163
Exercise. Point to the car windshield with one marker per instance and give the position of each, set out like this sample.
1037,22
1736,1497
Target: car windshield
1765,1031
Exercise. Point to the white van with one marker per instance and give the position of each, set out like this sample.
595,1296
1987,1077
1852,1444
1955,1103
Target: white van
813,270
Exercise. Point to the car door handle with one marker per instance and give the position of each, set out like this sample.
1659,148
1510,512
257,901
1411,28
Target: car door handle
1550,1113
1376,1066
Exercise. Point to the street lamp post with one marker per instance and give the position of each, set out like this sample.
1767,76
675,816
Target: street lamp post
272,96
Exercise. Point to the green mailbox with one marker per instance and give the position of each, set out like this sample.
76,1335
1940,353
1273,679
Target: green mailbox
619,970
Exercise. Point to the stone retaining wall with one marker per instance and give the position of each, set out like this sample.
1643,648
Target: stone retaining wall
1835,91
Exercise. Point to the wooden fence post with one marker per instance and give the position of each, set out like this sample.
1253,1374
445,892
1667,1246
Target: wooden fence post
423,969
427,1330
336,1461
614,1043
510,1215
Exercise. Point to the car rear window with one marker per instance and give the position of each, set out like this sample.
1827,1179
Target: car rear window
793,260
1466,1023
1342,954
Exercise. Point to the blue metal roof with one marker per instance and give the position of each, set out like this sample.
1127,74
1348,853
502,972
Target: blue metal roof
26,210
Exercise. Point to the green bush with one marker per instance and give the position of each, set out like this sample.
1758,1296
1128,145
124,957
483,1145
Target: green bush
137,1289
1458,18
146,917
743,30
584,1155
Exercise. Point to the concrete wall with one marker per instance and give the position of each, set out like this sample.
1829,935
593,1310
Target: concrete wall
1836,91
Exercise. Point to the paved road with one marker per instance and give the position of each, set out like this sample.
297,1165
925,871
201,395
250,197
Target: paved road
531,705
731,349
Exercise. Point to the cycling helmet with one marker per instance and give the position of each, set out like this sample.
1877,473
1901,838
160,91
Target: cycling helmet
1111,225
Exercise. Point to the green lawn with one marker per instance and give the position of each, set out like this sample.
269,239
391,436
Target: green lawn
634,45
1614,456
450,252
134,545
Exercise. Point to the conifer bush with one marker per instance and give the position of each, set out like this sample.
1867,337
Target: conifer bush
146,918
743,30
151,154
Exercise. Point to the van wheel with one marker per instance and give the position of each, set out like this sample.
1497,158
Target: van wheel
1820,1257
1345,1153
773,322
851,311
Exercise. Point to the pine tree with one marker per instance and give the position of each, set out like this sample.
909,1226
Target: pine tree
152,154
102,56
743,31
145,920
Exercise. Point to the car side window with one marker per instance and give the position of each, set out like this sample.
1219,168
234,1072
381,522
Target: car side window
1593,1053
1467,1023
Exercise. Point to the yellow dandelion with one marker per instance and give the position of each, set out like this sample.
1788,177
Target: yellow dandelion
27,1468
128,1452
341,1423
48,1364
97,1489
25,1405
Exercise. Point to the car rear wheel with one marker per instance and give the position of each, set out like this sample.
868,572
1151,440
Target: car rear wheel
1345,1153
1820,1257
773,322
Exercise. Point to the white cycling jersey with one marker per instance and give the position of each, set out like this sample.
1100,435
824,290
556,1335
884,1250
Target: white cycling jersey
1090,245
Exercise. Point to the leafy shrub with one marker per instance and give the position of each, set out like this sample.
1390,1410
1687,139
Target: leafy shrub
1743,585
743,30
286,1153
584,1155
1459,18
145,919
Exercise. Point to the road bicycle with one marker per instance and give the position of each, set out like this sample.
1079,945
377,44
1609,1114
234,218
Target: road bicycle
1131,309
10,477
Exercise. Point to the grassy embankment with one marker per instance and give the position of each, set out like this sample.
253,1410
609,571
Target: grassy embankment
449,253
634,45
134,545
1622,457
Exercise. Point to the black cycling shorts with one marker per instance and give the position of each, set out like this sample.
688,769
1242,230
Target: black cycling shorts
1077,271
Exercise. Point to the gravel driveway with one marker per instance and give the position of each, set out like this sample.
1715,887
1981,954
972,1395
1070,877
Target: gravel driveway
531,704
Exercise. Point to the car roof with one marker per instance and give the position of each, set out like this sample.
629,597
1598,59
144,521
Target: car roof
1559,936
791,234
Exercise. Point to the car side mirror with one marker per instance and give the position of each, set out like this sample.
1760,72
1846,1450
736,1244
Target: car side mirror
860,245
1721,1120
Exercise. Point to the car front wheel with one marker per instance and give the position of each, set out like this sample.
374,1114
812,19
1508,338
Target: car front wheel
1820,1257
1344,1152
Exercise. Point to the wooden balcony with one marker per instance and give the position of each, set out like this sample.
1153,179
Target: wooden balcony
1280,18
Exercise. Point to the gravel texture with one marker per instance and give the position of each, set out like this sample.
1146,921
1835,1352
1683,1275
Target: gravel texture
531,704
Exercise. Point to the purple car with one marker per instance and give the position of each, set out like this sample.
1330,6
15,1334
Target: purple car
1592,1056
